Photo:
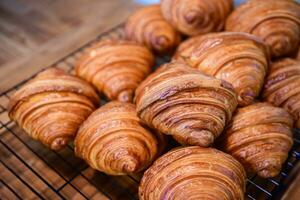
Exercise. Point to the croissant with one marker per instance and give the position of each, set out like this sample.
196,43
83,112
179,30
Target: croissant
194,173
277,22
113,140
116,68
195,17
51,107
147,26
238,58
298,55
282,87
181,101
260,137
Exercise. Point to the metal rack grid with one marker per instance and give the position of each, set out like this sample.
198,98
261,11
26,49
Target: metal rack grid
29,170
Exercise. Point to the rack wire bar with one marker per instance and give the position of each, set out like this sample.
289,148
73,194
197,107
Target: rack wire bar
69,176
40,176
10,189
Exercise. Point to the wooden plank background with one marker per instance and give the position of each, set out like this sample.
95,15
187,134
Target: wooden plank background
35,33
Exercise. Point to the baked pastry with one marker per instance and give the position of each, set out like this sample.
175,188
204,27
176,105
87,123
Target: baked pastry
277,22
282,87
52,106
113,140
238,58
260,137
195,17
298,54
148,27
116,68
183,102
194,173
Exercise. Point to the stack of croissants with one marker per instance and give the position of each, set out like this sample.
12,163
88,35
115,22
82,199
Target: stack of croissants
232,84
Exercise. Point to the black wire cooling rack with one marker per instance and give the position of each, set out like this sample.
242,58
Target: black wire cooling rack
28,170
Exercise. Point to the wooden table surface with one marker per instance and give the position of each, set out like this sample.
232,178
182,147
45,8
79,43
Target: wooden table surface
34,34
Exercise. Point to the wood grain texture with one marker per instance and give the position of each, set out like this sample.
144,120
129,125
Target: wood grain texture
34,34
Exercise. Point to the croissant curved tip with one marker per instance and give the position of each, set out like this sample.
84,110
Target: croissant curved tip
125,96
206,139
270,168
246,96
161,44
161,41
59,143
201,138
268,172
130,166
279,47
191,17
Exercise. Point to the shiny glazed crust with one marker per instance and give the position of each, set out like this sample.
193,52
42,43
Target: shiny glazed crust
194,173
238,58
260,137
116,68
51,107
113,140
282,87
277,22
195,17
183,102
148,27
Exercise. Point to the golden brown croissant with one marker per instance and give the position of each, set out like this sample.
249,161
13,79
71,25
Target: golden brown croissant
282,87
147,26
260,137
181,101
52,106
277,22
116,68
238,58
194,173
195,17
298,54
113,140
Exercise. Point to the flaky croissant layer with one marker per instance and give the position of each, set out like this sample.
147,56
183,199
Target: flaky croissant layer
114,141
260,137
116,67
277,22
195,17
194,173
52,106
282,87
183,102
238,58
147,26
